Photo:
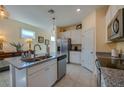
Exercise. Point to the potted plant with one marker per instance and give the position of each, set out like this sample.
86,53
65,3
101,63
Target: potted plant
18,46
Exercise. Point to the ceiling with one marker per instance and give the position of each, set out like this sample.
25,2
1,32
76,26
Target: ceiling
38,15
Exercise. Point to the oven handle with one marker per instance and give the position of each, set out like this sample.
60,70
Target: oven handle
98,68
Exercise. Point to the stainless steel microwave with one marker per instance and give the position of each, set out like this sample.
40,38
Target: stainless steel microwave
116,27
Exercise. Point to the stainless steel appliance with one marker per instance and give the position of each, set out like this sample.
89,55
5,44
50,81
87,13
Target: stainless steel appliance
116,27
63,47
61,66
98,73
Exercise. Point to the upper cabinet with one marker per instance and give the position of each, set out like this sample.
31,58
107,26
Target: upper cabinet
76,37
65,34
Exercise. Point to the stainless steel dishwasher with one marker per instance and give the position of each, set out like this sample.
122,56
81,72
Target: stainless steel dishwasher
61,66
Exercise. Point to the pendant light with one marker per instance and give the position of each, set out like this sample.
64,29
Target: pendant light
51,11
3,12
53,30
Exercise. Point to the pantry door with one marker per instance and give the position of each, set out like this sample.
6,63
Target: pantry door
88,50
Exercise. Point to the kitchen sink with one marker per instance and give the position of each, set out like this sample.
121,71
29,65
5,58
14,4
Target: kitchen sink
35,59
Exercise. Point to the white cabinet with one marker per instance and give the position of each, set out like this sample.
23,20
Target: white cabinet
43,75
75,57
38,79
76,37
52,74
65,34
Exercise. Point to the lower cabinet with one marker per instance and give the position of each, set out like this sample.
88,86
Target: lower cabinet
75,57
45,76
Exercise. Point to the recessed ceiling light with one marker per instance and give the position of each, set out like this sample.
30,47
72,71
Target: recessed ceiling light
78,10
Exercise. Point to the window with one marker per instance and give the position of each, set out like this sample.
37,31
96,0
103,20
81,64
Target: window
52,38
27,34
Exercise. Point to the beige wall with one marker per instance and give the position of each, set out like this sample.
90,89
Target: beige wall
101,45
89,21
96,20
11,30
120,46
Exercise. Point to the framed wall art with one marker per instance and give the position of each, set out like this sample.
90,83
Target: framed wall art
46,42
40,39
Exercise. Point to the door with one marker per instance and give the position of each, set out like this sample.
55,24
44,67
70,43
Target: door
88,50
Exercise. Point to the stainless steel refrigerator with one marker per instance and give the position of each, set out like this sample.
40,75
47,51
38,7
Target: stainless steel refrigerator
63,47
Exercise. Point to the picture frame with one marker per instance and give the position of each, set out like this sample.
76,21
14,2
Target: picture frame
40,39
46,42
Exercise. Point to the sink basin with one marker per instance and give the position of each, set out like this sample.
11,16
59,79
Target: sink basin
35,59
44,57
30,59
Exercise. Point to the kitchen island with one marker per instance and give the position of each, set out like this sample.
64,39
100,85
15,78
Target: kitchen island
112,71
42,73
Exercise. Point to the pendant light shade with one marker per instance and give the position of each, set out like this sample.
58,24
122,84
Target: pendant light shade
51,12
3,13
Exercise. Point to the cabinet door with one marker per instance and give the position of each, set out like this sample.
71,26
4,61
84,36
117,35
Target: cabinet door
52,74
66,34
44,76
75,57
38,79
76,36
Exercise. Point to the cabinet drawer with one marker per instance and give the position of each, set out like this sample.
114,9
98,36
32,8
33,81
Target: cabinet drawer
75,57
38,67
45,77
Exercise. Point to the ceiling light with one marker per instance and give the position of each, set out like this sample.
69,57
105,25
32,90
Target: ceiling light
78,10
3,12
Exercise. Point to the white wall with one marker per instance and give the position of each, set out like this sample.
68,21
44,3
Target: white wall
11,30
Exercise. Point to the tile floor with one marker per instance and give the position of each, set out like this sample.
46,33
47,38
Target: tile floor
76,76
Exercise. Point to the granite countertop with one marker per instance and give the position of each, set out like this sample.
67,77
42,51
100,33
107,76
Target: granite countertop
106,60
113,77
112,69
19,64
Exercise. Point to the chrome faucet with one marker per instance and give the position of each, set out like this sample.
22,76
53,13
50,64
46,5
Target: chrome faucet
35,49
